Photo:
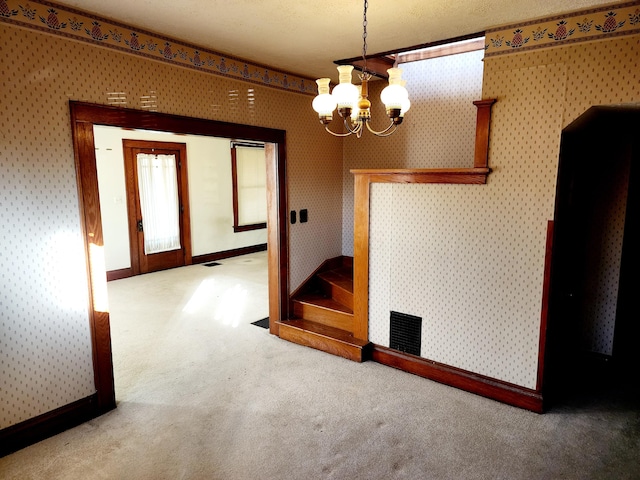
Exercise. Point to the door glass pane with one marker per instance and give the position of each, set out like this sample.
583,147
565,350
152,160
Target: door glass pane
158,186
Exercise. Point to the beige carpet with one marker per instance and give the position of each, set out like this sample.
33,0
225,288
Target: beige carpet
203,394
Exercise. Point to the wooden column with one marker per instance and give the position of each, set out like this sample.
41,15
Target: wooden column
481,157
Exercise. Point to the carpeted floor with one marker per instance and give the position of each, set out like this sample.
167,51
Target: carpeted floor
203,394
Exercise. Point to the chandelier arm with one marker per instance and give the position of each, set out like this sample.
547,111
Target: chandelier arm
383,133
356,129
326,127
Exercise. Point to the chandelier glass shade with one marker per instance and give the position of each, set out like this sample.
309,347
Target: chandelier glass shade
352,101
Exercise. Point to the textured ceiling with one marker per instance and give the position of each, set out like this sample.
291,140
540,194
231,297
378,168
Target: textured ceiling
306,36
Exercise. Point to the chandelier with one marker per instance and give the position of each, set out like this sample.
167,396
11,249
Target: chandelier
352,101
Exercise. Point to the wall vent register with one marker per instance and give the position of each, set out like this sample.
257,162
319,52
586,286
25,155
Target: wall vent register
405,333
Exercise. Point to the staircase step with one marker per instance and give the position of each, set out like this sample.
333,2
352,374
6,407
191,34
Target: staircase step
325,338
321,309
338,284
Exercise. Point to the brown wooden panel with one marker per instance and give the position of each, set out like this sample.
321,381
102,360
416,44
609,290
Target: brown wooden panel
471,382
361,258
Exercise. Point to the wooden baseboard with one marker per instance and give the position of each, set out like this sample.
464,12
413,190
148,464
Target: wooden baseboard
236,252
31,431
118,274
210,257
455,377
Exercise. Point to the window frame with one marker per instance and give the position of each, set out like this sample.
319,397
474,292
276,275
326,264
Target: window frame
234,184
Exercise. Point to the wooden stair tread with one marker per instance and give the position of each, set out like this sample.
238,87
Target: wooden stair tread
326,331
326,339
342,277
323,302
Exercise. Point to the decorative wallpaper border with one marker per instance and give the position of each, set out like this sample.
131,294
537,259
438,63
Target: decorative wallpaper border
71,23
581,26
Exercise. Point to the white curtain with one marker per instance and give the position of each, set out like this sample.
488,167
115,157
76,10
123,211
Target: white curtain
158,187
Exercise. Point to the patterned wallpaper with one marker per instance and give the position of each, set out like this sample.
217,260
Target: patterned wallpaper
604,235
44,333
603,195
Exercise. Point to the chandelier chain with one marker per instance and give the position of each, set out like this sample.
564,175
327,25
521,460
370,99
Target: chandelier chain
364,36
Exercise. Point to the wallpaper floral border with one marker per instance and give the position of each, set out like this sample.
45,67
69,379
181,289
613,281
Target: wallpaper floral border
71,23
581,26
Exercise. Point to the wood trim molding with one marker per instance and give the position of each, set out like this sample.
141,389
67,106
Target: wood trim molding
277,233
234,186
237,227
545,305
467,176
463,46
471,382
118,274
248,228
35,429
361,257
91,226
236,252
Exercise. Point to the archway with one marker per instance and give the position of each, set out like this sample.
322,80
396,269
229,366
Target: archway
83,117
592,329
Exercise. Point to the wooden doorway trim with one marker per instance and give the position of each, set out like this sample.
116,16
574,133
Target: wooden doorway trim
130,147
83,117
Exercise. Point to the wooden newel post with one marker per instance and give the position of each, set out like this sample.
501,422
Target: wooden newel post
483,121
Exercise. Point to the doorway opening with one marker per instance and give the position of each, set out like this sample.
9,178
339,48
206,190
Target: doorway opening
593,329
83,118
